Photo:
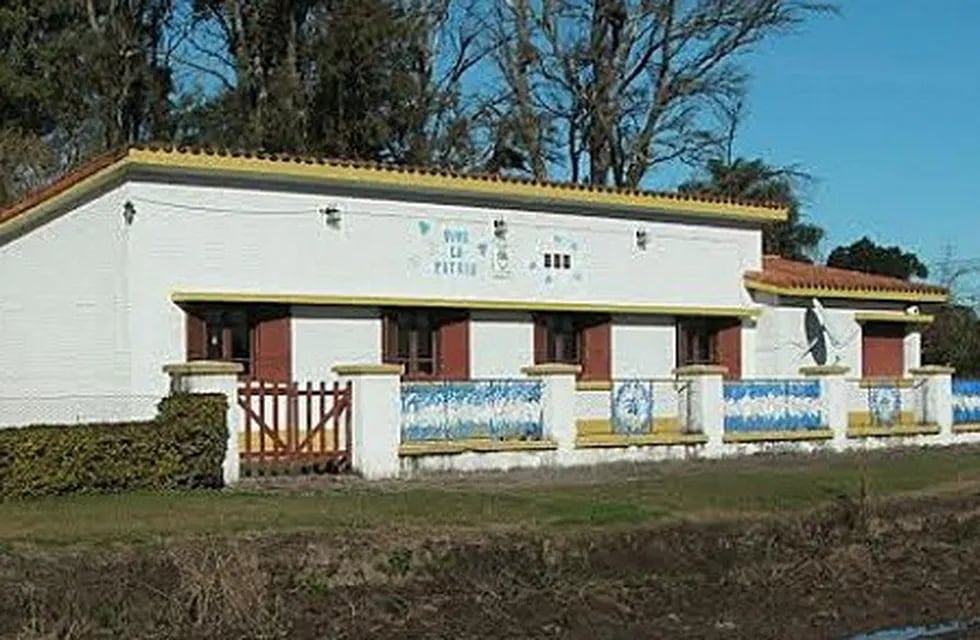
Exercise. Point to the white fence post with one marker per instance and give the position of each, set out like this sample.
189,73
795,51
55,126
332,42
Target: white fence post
205,376
833,396
705,403
376,417
936,404
558,402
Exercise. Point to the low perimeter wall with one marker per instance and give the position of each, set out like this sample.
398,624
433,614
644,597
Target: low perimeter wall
546,418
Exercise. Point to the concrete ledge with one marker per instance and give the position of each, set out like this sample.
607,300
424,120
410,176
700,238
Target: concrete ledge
443,447
863,420
868,383
932,370
594,385
892,316
552,369
893,432
368,369
971,427
778,436
204,368
643,440
662,425
824,370
701,370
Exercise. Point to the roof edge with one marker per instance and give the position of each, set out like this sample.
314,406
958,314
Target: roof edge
897,295
76,184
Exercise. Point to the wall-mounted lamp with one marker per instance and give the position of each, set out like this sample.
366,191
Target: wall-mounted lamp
641,239
331,215
129,212
500,228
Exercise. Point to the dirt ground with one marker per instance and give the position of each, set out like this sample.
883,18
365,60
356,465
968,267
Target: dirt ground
855,566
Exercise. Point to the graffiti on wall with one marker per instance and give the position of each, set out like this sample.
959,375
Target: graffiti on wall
773,405
495,409
966,401
461,250
558,258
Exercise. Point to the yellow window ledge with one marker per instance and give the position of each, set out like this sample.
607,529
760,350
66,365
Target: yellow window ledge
970,427
594,385
439,447
649,439
779,436
896,431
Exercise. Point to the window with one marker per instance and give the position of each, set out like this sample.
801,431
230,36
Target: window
558,261
710,341
258,338
429,343
697,342
574,338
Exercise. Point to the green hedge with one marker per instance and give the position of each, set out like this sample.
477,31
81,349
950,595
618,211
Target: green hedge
182,448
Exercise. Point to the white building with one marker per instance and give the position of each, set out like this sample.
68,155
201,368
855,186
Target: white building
289,266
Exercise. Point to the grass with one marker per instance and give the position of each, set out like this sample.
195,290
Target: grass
617,494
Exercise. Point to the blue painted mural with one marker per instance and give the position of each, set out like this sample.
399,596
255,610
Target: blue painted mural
495,409
773,405
966,401
885,404
632,406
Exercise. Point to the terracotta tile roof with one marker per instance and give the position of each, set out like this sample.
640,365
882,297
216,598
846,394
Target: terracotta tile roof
100,162
449,173
63,183
809,279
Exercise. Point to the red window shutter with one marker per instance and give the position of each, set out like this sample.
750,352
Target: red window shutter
540,340
272,350
882,350
730,349
597,350
196,337
454,348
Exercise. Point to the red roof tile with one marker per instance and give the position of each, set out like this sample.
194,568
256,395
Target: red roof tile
63,183
789,274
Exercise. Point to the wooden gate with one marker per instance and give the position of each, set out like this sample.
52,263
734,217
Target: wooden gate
295,428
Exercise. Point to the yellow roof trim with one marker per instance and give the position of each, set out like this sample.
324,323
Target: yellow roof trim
464,303
849,294
885,316
432,182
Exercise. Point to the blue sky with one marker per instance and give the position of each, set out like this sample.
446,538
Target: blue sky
881,104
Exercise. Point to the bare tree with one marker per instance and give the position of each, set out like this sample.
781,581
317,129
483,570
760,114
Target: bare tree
626,85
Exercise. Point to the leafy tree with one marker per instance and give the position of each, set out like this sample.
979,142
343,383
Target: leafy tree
864,255
954,339
754,180
78,78
366,79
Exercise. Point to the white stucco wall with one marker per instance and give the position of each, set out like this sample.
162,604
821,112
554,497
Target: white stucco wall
195,238
86,301
327,336
643,346
65,332
781,341
279,243
501,344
